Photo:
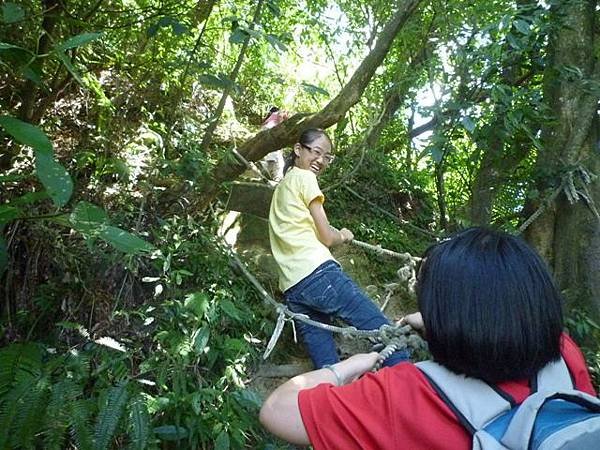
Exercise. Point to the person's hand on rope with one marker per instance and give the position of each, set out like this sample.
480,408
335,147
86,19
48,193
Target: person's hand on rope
346,235
415,320
352,368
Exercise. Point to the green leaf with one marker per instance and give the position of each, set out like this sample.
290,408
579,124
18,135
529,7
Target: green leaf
197,302
78,41
171,433
27,134
70,67
238,36
139,420
210,80
436,154
123,240
54,177
230,309
522,26
8,213
7,46
12,13
276,43
248,398
201,339
109,415
312,89
87,217
468,123
222,442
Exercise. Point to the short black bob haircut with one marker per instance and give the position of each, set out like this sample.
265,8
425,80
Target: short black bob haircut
490,307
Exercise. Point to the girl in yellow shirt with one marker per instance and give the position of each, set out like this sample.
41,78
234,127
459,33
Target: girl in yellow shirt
311,280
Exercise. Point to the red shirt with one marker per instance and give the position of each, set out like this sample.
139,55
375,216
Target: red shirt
396,408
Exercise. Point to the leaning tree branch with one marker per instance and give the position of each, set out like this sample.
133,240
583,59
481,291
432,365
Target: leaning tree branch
287,132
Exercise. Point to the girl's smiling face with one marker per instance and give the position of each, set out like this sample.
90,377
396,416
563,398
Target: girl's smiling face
314,157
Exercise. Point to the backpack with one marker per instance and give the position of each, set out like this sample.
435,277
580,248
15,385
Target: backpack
554,416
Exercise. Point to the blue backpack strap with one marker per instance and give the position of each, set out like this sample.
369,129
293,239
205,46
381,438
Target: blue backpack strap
474,402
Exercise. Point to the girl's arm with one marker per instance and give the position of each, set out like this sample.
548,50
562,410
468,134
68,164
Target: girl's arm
328,235
280,413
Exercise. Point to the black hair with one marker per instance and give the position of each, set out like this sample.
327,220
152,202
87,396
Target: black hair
307,137
489,305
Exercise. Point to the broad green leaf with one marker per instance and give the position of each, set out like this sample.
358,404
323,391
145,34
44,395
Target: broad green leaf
88,218
230,309
238,36
7,46
171,433
31,74
312,89
178,28
70,67
436,154
468,124
222,442
201,339
3,255
8,213
123,240
248,398
522,26
210,80
276,43
78,41
12,13
54,177
27,134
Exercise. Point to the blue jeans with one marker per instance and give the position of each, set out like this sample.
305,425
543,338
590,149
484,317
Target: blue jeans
328,292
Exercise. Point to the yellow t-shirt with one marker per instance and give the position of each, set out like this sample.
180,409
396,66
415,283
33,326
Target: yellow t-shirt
292,230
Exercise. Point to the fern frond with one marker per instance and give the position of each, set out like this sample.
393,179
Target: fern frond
57,413
109,415
19,363
29,415
139,424
79,420
13,407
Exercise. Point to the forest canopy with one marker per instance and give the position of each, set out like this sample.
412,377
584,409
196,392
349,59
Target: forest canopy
129,128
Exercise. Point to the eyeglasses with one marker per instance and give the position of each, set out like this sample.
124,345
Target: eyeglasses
327,157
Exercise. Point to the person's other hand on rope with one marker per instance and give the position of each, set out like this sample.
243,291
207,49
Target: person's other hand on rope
415,320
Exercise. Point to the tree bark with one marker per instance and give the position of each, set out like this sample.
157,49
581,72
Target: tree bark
568,235
288,131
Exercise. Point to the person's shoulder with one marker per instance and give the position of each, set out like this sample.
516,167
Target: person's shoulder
404,373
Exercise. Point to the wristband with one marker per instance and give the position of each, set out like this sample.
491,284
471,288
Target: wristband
338,379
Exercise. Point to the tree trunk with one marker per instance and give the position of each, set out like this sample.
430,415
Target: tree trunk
568,235
288,131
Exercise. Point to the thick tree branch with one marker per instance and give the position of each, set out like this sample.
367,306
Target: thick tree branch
289,130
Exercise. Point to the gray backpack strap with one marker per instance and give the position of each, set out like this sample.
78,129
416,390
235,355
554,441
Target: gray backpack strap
474,399
554,376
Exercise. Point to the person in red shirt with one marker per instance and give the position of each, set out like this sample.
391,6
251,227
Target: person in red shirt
489,309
